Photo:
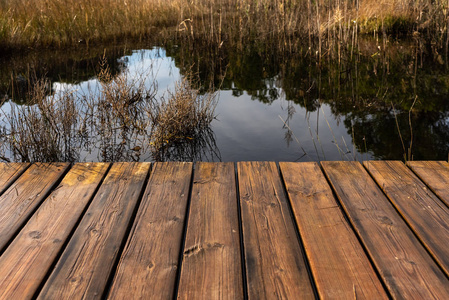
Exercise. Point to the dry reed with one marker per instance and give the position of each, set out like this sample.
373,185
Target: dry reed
66,23
120,116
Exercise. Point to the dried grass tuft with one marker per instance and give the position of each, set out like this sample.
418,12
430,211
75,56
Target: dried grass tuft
122,118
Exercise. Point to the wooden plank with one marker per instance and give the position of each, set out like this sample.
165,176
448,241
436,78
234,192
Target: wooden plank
275,266
149,263
422,210
405,266
25,195
9,172
435,174
338,262
25,263
84,267
211,267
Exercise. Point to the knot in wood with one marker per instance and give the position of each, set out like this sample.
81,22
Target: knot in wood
35,235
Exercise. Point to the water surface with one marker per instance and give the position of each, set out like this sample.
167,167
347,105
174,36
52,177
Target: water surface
376,104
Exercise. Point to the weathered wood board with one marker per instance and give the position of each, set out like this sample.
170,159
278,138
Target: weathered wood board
85,266
421,209
211,266
248,230
275,266
22,198
27,260
9,172
435,174
339,264
149,264
406,268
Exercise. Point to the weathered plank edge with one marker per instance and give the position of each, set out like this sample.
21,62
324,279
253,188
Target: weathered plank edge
213,198
19,171
428,185
242,243
127,231
169,220
184,234
298,233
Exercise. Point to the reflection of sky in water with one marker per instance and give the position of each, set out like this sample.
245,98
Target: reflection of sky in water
147,64
250,130
245,129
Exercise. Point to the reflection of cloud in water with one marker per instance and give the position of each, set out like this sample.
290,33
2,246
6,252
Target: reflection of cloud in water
149,65
155,63
251,130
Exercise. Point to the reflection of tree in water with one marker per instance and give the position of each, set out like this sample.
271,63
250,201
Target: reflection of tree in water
237,70
360,86
19,72
430,134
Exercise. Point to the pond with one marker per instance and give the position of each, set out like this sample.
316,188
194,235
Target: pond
381,101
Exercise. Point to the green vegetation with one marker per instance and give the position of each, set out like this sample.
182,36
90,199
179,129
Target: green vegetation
63,23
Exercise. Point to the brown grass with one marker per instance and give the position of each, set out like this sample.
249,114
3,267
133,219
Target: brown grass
66,23
70,22
181,116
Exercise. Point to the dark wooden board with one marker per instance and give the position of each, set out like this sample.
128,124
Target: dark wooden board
211,266
9,172
275,266
405,266
25,195
435,174
338,262
25,263
422,210
149,263
84,267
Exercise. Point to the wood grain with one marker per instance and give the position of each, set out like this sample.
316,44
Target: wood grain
404,265
9,172
25,263
275,266
422,210
25,195
339,264
435,174
84,267
211,267
149,263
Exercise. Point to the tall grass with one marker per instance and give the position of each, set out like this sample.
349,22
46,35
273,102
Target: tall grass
70,22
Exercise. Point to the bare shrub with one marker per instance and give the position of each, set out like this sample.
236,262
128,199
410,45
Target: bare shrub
120,118
182,116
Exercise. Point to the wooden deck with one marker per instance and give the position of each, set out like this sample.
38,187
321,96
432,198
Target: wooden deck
256,230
